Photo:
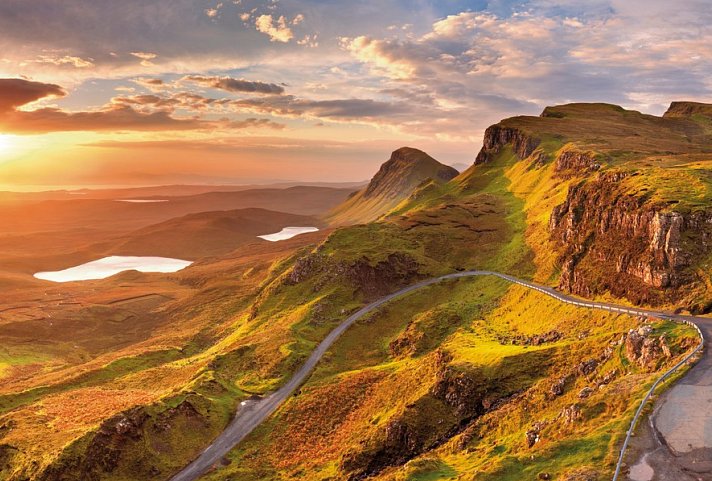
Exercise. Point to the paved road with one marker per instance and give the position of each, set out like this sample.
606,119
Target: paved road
254,412
676,442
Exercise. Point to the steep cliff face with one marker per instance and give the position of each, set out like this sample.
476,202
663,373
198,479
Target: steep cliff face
636,216
497,136
571,162
614,241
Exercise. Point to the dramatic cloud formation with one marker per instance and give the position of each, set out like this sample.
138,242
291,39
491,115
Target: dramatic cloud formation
17,92
235,85
381,73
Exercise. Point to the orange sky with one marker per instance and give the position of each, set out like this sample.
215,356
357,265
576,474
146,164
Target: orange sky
200,91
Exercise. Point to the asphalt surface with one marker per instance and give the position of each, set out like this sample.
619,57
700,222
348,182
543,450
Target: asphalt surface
676,442
253,412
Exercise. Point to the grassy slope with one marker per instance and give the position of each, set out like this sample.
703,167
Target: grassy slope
363,384
492,216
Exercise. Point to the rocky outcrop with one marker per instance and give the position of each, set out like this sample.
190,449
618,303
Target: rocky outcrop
497,136
370,278
619,242
110,451
571,414
455,399
571,162
585,392
559,386
688,109
644,349
535,340
104,450
375,280
464,393
587,367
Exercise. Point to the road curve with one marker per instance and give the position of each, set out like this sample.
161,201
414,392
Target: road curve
253,413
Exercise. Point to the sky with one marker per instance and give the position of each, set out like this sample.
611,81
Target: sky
146,92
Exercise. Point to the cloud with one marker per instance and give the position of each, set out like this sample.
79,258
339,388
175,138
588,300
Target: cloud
235,85
76,62
145,57
153,84
362,111
143,112
112,118
277,30
252,122
213,12
15,92
635,53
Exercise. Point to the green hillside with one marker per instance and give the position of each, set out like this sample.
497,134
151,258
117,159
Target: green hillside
470,379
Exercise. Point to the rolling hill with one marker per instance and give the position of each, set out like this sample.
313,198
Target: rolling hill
472,379
208,233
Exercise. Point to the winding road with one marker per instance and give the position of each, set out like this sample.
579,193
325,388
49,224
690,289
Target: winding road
254,412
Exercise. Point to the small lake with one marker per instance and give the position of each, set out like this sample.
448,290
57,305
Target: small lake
108,266
287,233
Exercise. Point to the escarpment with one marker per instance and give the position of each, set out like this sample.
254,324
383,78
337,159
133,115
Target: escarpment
571,162
497,136
618,242
635,220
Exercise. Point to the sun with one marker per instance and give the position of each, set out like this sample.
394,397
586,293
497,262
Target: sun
7,142
4,143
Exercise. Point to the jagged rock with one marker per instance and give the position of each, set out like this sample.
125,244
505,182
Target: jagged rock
643,349
497,136
571,162
688,109
376,280
616,241
532,437
587,367
305,267
461,391
536,340
571,413
664,346
585,392
557,389
608,377
551,336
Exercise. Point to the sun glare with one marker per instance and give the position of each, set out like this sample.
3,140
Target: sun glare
6,144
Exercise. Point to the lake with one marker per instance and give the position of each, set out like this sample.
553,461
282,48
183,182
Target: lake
108,266
287,233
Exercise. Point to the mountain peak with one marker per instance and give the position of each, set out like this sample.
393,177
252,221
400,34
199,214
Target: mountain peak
398,177
406,168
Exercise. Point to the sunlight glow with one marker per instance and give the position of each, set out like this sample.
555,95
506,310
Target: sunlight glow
6,143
